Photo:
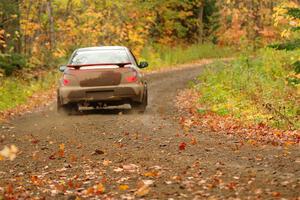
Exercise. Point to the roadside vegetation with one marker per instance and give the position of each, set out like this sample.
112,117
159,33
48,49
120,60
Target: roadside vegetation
16,90
261,88
164,56
253,89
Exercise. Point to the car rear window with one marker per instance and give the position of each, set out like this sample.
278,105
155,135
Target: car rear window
100,57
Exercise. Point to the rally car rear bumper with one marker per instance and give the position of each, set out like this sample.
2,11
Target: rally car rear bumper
124,92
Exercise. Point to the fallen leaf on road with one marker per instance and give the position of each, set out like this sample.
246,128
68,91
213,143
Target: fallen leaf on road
231,185
9,189
142,191
276,194
106,162
100,189
151,174
52,157
148,182
61,152
98,152
90,191
194,141
34,141
118,169
9,152
36,181
182,146
73,158
168,182
130,167
123,187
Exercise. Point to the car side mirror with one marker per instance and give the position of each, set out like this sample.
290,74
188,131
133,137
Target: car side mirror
62,68
143,65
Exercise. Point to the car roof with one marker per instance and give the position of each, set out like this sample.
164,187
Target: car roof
102,48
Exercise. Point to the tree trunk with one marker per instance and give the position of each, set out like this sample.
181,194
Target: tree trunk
51,25
25,38
201,24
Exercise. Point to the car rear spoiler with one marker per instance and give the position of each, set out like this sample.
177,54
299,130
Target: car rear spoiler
102,64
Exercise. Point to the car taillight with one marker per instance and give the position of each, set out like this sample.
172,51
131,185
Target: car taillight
132,78
66,81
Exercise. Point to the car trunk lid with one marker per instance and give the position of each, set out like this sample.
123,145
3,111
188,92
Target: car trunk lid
98,74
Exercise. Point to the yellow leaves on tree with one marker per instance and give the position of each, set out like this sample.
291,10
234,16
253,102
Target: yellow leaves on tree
233,34
283,21
245,22
2,41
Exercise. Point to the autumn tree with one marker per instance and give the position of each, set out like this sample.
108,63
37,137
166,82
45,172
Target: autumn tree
248,21
10,43
287,16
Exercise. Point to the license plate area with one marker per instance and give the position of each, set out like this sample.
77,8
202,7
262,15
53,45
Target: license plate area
99,95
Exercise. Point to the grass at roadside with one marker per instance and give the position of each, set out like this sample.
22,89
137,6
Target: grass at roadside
161,56
253,90
15,91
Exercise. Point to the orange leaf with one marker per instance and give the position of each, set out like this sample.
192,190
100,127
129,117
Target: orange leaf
100,189
70,184
151,174
194,141
123,187
142,191
34,180
61,152
90,191
9,189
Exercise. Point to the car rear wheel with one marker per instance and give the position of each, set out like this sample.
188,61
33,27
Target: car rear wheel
59,105
141,106
69,109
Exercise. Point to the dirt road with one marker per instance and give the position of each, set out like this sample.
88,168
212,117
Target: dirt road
108,155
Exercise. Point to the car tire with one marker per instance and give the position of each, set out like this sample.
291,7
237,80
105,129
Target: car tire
141,106
69,109
59,105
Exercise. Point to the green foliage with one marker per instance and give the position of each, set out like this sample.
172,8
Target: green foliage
291,46
254,90
176,20
15,91
294,12
11,62
294,44
211,20
297,67
288,46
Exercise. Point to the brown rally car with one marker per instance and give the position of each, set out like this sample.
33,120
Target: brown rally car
102,76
